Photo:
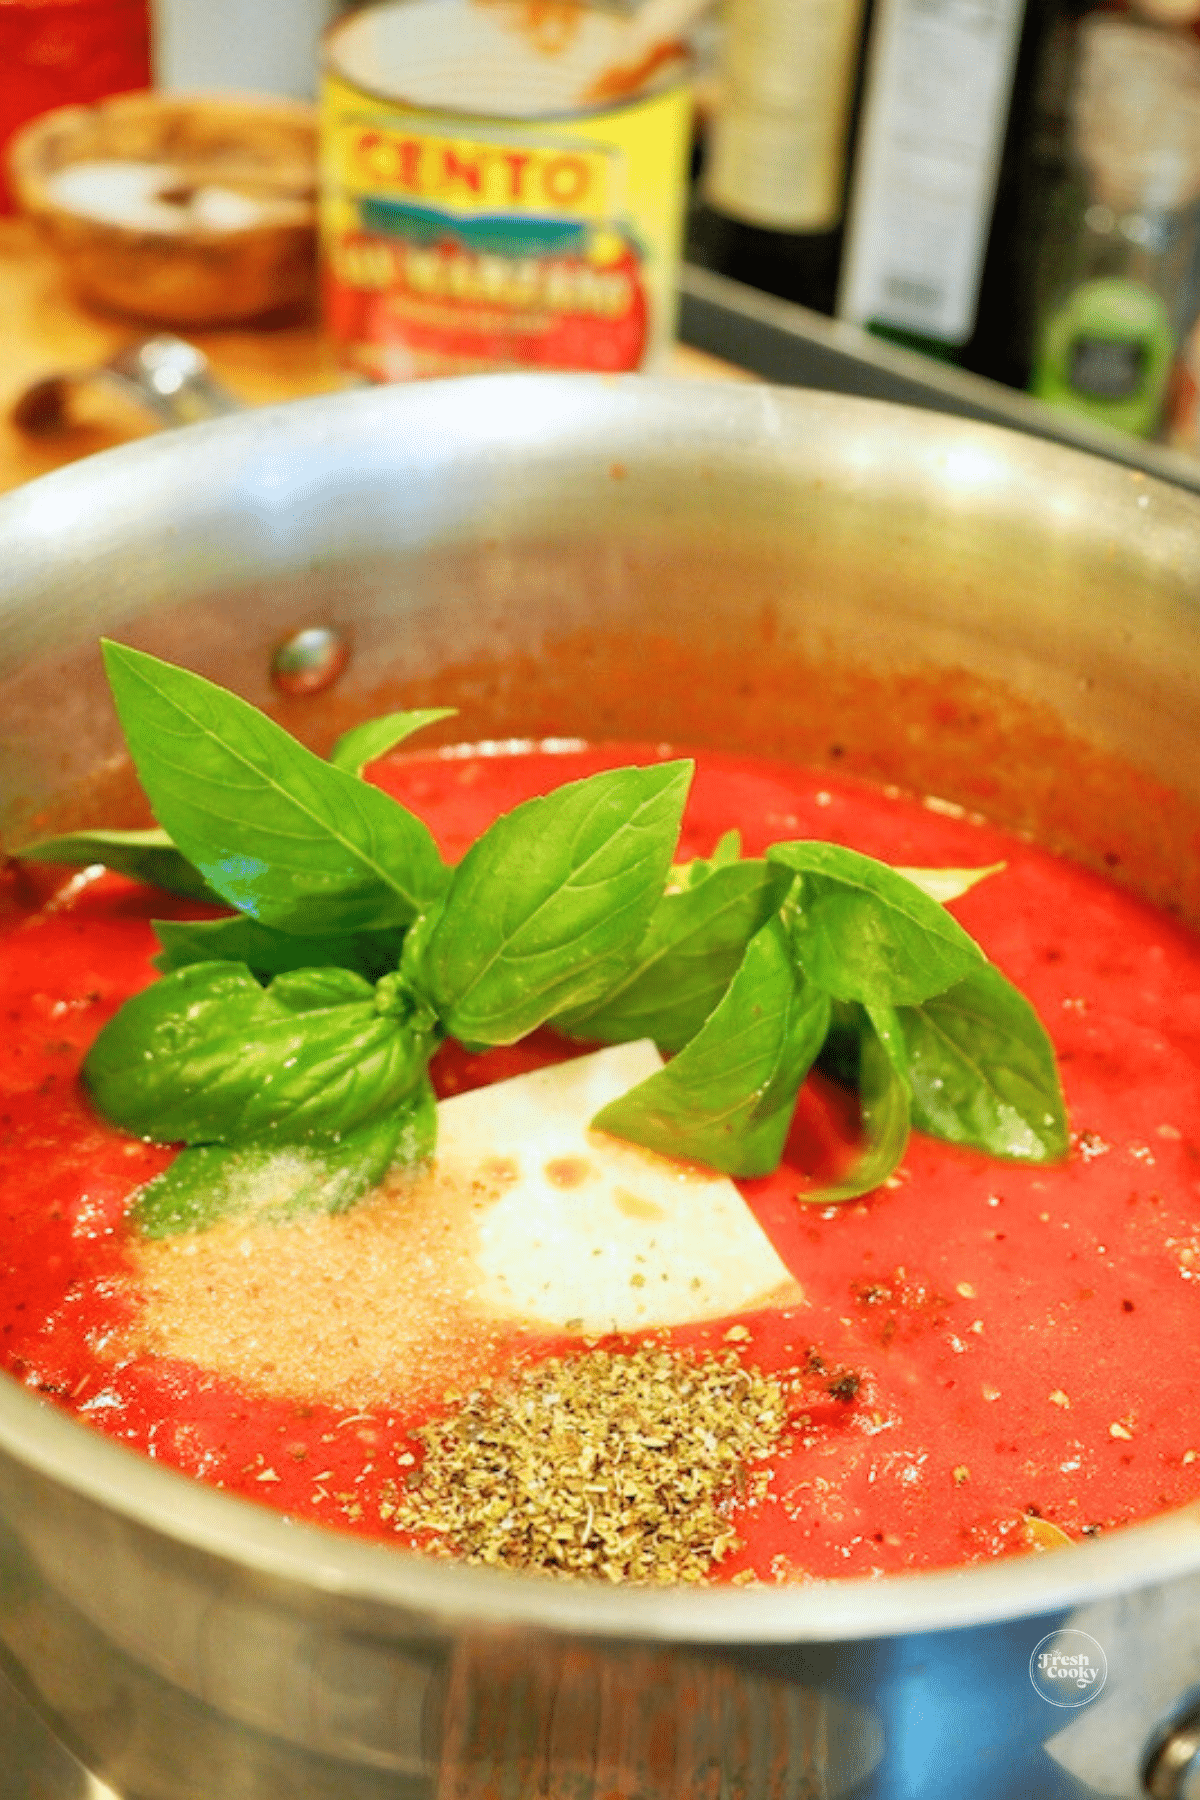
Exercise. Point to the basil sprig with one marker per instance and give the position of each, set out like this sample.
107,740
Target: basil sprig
693,946
727,1098
269,952
207,1056
365,743
546,910
287,1047
277,832
909,1011
886,1107
865,932
147,856
982,1070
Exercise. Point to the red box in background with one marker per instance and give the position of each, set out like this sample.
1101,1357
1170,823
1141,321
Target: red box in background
58,52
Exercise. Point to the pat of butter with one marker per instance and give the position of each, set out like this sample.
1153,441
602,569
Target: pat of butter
582,1231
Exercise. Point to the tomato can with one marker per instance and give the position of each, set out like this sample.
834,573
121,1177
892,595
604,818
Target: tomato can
478,210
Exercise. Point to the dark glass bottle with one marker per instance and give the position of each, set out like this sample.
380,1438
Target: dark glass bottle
936,252
772,192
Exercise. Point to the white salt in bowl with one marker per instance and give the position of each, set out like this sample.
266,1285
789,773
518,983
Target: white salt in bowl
182,209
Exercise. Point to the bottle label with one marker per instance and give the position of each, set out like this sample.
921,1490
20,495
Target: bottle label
937,97
777,154
1106,351
1106,370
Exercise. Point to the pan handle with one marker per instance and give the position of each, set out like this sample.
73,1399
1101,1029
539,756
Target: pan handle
1172,1757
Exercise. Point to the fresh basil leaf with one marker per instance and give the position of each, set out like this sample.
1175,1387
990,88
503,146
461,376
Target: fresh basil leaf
727,850
863,932
208,1056
983,1071
546,909
416,947
309,990
691,951
885,1106
889,1032
269,952
727,1099
278,832
365,743
948,884
842,1048
269,1185
147,856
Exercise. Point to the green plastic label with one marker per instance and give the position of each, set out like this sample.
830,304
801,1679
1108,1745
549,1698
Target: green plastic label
1106,352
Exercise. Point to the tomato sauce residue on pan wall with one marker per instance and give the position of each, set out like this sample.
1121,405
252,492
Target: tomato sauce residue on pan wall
985,1352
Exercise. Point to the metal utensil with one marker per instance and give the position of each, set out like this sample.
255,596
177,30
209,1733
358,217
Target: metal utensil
164,376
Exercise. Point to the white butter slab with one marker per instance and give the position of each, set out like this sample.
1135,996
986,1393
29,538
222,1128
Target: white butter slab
581,1231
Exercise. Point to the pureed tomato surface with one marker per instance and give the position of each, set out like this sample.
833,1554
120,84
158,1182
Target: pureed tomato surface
982,1345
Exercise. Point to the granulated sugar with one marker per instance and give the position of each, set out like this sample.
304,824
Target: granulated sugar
527,1223
357,1309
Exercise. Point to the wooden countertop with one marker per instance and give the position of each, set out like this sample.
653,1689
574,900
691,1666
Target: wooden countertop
45,330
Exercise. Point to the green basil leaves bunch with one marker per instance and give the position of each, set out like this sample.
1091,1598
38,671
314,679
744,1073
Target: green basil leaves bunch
844,960
287,1046
291,1097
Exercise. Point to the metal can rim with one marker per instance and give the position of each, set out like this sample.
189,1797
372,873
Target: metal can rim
669,82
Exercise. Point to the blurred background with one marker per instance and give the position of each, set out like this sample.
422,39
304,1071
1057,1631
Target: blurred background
1008,185
1010,188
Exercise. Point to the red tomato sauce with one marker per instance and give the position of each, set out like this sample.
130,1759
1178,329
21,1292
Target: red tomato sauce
981,1345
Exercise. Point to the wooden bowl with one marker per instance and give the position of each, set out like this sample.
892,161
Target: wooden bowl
184,209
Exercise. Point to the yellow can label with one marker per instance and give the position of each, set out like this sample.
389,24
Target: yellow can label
454,245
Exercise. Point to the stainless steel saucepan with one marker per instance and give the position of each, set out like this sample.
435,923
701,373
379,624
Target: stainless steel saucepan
1002,622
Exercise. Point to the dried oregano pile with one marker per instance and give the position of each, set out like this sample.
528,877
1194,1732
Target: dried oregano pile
616,1465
